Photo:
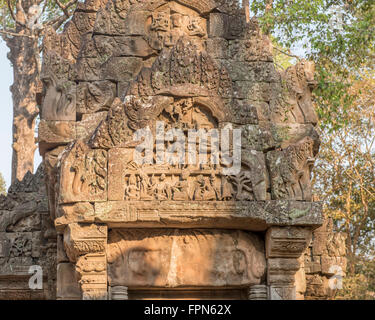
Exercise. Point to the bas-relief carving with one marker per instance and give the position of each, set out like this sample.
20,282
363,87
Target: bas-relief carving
300,82
83,174
290,170
176,258
59,96
168,182
161,68
172,21
59,101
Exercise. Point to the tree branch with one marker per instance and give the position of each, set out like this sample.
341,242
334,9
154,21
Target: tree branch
11,11
13,34
56,23
62,7
288,54
19,11
65,8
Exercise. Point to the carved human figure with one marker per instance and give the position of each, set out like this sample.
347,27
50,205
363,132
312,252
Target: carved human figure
163,189
215,185
177,25
199,188
209,191
228,191
152,186
145,187
78,166
132,190
182,187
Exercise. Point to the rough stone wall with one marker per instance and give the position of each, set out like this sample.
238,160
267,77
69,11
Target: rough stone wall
324,260
27,238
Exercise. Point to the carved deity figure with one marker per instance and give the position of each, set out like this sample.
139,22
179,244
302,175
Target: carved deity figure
209,191
216,186
160,21
132,190
182,187
163,189
199,188
227,189
145,187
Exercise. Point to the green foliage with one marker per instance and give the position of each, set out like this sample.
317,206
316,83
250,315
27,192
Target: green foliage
50,11
338,48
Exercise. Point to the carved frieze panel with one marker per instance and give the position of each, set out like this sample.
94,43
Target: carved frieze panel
95,96
83,174
290,170
170,22
188,258
288,242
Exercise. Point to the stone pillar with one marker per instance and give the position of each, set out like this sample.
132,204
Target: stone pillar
119,293
284,246
85,246
258,292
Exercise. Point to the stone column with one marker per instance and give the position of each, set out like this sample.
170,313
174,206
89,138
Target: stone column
258,292
284,246
119,293
85,245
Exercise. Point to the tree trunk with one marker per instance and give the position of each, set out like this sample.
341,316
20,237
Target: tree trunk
23,54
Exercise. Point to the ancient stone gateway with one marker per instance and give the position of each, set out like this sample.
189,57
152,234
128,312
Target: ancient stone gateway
179,228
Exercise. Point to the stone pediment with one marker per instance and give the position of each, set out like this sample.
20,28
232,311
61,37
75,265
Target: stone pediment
183,76
132,80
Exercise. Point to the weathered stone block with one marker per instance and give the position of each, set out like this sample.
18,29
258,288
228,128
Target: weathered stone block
83,174
52,134
70,213
175,258
218,25
121,68
68,287
218,48
95,96
86,127
287,241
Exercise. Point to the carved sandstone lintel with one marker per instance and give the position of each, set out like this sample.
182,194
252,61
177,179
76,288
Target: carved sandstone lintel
85,246
284,246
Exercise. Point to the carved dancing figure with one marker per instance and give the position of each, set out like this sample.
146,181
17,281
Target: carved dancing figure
199,188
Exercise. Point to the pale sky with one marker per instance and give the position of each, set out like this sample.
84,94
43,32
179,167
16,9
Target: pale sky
6,112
